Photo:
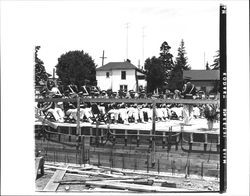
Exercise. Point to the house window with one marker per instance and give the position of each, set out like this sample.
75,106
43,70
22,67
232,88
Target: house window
141,77
123,75
107,74
124,88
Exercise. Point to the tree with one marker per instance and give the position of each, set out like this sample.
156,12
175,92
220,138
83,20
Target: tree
166,58
216,64
155,72
76,67
181,59
176,78
41,75
176,74
207,66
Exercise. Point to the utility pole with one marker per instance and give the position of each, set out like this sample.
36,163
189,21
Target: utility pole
205,60
103,57
143,36
127,26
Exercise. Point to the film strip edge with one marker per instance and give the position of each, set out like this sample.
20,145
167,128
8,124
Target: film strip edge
223,100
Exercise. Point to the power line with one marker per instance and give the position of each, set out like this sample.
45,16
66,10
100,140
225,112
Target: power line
127,26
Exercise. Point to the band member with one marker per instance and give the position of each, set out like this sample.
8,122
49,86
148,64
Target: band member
188,92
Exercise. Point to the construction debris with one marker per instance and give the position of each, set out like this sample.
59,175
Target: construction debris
90,178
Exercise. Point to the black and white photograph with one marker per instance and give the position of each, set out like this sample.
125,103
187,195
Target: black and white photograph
124,96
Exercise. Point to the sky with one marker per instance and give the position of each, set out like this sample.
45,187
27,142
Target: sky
94,26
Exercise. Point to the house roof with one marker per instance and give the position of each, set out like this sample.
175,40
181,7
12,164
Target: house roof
201,74
116,66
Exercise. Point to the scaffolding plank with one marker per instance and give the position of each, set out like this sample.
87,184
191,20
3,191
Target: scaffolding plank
58,175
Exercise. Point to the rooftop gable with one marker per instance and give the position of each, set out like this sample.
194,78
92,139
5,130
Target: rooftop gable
116,66
201,74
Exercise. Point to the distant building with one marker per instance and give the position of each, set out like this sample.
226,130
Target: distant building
205,80
120,75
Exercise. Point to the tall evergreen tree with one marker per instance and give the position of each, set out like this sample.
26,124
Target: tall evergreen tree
181,58
207,66
176,75
166,58
216,64
40,73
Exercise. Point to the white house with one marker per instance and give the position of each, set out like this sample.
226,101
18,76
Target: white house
120,75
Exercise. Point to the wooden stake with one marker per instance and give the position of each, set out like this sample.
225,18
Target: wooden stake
99,159
138,139
158,166
126,137
123,162
135,168
147,163
202,169
76,155
83,149
78,129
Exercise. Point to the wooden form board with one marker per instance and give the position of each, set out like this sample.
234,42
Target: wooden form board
47,122
198,126
39,161
112,100
58,175
133,187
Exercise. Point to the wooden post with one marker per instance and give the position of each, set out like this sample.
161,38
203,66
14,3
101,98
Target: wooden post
126,137
205,143
91,135
218,144
59,135
191,141
158,166
218,172
83,149
99,159
97,134
209,153
169,138
114,131
138,138
153,133
188,168
70,133
163,139
202,169
135,168
111,158
123,162
54,157
76,155
147,163
101,136
78,130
